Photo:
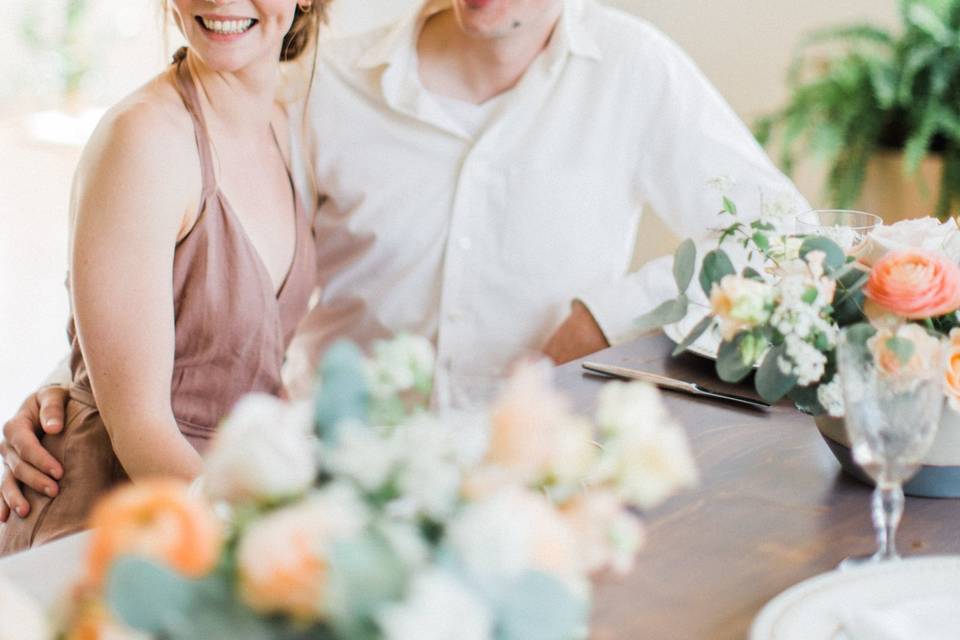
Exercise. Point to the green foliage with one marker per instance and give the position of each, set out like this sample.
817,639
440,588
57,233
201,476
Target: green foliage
666,313
736,358
716,265
684,264
342,393
695,333
539,607
153,599
771,383
835,257
858,89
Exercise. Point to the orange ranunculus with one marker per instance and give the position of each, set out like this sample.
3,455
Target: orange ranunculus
915,284
158,520
952,373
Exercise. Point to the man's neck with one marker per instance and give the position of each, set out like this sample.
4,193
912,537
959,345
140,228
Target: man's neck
457,65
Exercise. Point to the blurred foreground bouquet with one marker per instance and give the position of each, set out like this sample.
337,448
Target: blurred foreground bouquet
364,516
783,319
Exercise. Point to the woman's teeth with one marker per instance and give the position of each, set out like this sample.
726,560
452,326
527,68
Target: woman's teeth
227,27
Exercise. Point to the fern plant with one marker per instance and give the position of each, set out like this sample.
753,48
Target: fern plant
883,90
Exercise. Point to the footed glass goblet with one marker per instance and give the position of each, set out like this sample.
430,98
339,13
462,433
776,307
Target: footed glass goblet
893,391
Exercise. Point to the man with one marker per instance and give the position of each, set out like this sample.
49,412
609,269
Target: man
485,164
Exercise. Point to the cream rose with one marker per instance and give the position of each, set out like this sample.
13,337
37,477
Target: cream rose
925,233
263,451
740,304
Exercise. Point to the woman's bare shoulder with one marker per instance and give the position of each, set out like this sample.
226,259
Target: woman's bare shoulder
147,139
152,120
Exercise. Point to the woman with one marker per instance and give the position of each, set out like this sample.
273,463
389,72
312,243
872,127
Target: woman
192,259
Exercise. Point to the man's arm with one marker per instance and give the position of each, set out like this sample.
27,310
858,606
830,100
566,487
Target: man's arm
688,138
25,460
578,336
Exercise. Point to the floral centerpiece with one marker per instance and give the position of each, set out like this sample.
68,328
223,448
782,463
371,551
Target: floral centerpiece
782,317
362,515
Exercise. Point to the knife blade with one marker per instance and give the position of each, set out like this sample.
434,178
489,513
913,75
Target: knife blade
671,383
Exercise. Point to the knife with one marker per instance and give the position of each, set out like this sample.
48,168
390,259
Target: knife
671,383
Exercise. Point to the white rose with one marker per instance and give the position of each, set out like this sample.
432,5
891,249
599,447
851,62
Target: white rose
263,451
646,456
922,233
403,363
512,532
23,618
363,455
438,607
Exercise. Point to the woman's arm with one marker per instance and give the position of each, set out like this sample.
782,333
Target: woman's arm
129,204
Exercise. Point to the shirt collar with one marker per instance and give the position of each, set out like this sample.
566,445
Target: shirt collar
572,35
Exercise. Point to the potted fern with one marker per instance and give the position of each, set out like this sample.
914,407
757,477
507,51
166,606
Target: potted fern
882,92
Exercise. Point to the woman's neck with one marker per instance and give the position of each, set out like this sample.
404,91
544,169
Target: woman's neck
241,102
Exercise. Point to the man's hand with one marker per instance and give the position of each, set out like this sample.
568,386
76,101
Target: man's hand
578,336
25,460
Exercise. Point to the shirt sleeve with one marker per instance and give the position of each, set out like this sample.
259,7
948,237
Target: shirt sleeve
693,150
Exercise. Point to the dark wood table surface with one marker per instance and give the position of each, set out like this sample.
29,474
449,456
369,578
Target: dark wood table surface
772,509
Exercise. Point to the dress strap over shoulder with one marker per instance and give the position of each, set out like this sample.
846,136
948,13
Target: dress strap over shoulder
191,100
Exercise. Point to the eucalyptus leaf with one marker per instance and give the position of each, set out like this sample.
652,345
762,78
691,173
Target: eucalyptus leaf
666,313
752,274
364,574
540,607
695,333
154,599
806,400
342,393
903,348
149,597
716,265
858,334
771,383
835,257
731,365
684,264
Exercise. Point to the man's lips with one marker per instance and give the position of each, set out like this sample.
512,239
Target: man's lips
477,4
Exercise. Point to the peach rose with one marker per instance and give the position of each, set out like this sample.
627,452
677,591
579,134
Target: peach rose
158,520
915,284
923,359
952,374
524,423
283,558
608,536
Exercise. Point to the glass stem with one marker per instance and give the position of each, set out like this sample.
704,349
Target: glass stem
887,509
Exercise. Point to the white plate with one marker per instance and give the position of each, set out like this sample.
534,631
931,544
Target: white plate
812,609
707,345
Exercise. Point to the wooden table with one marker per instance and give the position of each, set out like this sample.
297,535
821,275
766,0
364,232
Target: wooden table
772,509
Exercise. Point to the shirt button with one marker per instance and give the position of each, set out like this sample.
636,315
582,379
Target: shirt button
455,316
465,243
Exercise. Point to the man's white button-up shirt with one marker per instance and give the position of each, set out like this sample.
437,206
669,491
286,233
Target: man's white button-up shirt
481,242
